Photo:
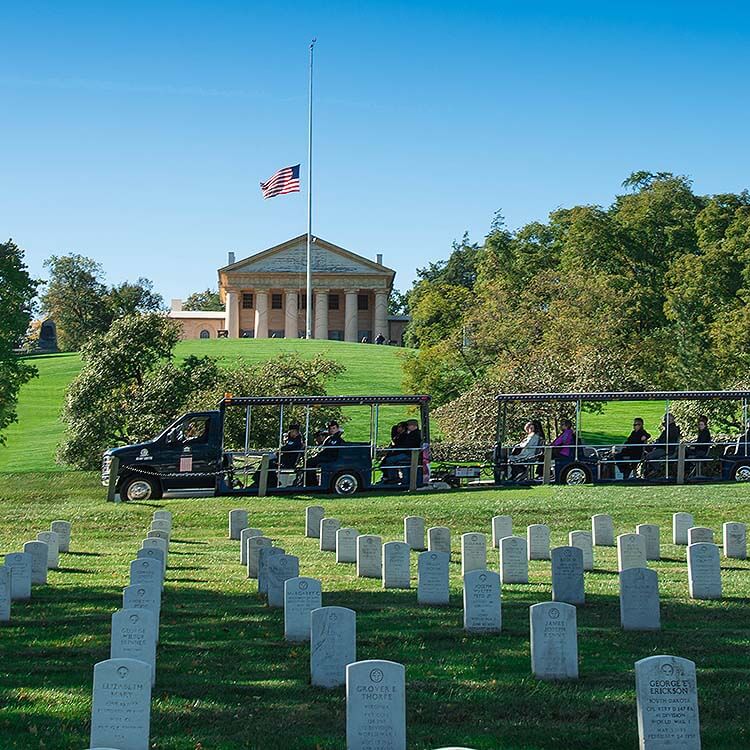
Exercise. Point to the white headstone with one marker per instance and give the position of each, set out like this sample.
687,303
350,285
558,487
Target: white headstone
162,524
631,552
414,532
482,607
333,645
554,641
53,548
301,597
667,704
473,552
264,557
158,544
314,514
567,575
652,537
439,539
369,556
163,514
144,596
602,530
346,545
681,522
639,599
238,520
143,570
582,540
154,534
20,563
375,705
502,526
280,569
433,578
121,710
246,534
396,573
153,553
514,562
6,592
254,543
62,529
698,534
328,529
39,555
704,571
735,540
134,637
537,541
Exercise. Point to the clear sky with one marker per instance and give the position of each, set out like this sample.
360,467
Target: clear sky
136,133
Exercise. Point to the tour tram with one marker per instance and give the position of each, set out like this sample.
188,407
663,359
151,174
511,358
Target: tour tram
671,460
242,448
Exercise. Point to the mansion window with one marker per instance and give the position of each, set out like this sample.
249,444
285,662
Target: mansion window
363,302
333,302
276,302
247,300
302,302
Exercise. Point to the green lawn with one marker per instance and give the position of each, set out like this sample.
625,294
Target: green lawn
227,680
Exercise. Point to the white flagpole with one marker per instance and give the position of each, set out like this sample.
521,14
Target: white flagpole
308,301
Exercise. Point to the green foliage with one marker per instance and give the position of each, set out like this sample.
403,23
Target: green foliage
208,300
17,292
398,303
130,298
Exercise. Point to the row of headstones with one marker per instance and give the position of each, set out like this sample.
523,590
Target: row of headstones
21,570
121,707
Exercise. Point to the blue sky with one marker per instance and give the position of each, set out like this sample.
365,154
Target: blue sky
136,133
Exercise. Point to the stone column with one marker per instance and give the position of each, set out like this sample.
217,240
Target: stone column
321,314
380,317
232,316
261,314
350,315
290,314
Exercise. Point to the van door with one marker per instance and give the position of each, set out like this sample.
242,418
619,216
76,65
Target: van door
191,448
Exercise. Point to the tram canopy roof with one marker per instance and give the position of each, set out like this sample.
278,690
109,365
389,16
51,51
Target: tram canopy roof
625,396
321,400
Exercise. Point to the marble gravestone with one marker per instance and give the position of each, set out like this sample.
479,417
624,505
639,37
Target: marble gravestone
134,637
143,570
681,522
238,520
53,548
414,532
631,552
514,562
154,534
121,710
346,545
39,555
20,564
375,705
254,543
639,599
314,514
439,539
667,704
144,596
433,578
369,556
62,529
502,526
328,529
473,552
6,592
704,571
482,606
153,553
735,540
567,575
280,569
396,573
652,538
696,535
537,541
582,540
264,557
554,641
333,645
602,530
165,514
246,534
158,544
161,524
301,597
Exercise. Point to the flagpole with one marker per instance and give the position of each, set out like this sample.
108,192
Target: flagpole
308,301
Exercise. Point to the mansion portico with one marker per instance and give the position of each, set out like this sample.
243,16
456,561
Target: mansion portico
265,296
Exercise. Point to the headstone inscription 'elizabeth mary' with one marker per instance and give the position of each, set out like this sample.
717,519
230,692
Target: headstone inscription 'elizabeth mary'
375,705
433,578
301,597
554,641
333,645
482,613
667,704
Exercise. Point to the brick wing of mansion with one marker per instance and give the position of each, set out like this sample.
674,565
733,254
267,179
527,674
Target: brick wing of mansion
264,296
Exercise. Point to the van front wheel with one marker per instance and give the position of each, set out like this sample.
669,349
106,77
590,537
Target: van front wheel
137,488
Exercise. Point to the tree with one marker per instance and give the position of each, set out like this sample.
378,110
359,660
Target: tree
130,298
460,269
17,293
207,300
398,303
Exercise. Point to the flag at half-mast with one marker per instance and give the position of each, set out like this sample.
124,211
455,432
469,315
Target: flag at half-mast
285,181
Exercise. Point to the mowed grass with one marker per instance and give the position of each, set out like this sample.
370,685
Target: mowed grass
226,679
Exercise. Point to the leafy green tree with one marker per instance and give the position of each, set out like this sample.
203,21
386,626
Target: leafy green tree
130,298
460,269
17,293
398,303
208,300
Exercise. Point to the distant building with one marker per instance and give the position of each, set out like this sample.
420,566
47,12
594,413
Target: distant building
265,296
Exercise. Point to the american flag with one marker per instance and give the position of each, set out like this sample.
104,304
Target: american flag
285,181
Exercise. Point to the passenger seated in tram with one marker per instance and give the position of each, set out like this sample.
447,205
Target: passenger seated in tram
328,454
631,453
524,452
564,440
665,446
702,443
291,451
408,440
